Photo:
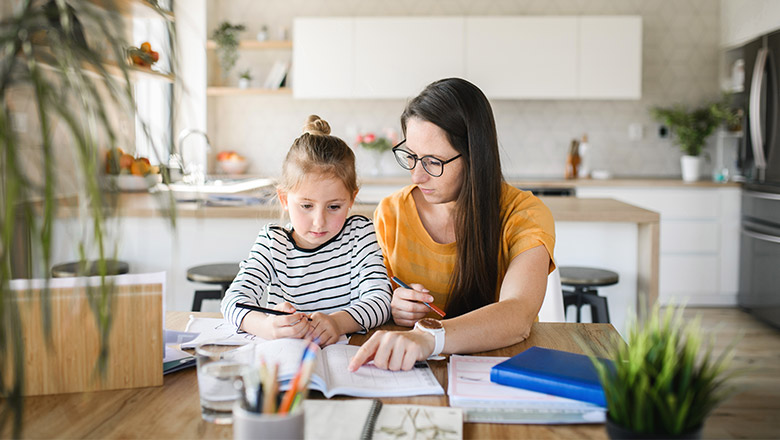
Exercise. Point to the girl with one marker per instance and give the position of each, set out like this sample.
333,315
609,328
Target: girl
486,246
327,270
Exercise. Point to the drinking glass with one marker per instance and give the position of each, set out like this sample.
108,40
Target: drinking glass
219,366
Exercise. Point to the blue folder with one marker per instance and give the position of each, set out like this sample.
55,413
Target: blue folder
555,372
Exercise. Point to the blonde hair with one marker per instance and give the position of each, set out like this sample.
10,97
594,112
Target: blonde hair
317,152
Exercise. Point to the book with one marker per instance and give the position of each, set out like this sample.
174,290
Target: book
277,75
175,360
482,401
370,419
331,376
555,372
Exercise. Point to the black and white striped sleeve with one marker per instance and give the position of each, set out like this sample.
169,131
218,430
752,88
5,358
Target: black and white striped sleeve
253,276
371,302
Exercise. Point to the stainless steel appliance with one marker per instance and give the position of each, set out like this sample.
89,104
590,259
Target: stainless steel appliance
759,280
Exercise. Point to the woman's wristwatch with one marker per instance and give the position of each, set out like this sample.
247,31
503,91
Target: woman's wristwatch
434,327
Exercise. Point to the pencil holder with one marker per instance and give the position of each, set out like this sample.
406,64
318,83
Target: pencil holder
251,425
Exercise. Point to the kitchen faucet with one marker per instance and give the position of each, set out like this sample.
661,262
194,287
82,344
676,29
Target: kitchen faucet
195,173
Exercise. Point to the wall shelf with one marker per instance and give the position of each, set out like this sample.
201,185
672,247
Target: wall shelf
134,8
256,45
234,91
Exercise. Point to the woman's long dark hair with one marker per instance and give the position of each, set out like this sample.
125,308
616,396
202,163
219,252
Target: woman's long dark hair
464,113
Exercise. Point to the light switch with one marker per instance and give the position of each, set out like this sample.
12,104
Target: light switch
635,131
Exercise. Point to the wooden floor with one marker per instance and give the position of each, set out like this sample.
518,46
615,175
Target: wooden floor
754,411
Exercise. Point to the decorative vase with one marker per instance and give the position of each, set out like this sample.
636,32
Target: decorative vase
615,431
377,156
690,168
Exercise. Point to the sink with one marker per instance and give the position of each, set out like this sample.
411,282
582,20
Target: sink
218,185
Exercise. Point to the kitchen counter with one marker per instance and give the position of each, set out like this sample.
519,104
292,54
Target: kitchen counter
563,209
605,216
540,182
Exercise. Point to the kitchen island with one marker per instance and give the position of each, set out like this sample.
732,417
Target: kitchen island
594,232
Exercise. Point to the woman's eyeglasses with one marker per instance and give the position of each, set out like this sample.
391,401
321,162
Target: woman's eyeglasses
408,160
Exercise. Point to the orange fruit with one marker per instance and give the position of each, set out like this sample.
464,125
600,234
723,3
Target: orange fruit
140,167
126,161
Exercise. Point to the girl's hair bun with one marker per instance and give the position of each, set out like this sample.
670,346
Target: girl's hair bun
316,126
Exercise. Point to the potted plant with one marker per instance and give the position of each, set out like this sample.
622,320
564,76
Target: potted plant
665,380
226,37
692,126
245,79
74,97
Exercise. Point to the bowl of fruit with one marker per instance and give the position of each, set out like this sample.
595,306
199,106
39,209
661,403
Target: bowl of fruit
129,173
230,162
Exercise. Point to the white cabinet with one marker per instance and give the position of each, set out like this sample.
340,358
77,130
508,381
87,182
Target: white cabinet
323,57
552,57
398,57
699,258
744,20
610,58
523,57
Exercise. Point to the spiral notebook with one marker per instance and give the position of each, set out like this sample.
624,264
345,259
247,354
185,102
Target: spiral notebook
371,420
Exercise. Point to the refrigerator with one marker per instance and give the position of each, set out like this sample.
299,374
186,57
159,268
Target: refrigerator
759,272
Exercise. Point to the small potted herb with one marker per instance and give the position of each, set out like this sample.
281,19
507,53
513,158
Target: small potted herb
244,79
665,380
226,37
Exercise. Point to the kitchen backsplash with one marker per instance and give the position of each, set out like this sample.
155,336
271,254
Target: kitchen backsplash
680,62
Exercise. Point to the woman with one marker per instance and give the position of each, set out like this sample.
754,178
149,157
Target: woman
461,236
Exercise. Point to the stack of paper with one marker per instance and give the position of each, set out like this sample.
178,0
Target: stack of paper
470,388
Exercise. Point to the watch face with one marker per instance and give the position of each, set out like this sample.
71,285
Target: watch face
430,323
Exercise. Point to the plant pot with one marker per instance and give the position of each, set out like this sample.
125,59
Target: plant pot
615,431
691,166
243,83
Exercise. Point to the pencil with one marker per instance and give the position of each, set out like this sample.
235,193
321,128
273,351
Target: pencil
433,307
264,310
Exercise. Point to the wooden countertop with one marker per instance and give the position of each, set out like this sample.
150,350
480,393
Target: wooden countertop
541,182
563,209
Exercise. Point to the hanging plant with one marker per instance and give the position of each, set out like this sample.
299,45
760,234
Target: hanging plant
226,37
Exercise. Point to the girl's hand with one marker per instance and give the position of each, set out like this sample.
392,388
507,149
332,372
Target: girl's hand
407,306
287,326
394,350
324,327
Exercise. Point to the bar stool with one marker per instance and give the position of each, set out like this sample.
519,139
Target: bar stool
222,274
584,280
71,269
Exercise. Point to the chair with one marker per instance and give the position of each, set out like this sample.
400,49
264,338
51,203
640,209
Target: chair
221,274
552,307
584,281
71,269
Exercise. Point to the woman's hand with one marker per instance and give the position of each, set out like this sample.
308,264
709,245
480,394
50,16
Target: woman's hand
407,304
295,325
325,327
394,350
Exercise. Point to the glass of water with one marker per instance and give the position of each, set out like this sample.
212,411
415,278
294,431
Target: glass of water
219,366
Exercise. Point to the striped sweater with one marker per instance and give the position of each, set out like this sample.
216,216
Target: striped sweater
346,273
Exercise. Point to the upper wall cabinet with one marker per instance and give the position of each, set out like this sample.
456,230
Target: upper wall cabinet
507,57
523,57
398,57
323,58
610,58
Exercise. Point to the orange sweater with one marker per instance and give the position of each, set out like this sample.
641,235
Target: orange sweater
413,256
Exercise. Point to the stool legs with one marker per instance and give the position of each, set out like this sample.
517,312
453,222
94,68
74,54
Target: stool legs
201,295
580,296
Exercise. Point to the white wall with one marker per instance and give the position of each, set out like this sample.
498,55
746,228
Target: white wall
680,64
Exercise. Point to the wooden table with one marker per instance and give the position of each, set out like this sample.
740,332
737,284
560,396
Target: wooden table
173,410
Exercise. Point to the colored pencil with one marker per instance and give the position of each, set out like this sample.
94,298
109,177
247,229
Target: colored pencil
433,307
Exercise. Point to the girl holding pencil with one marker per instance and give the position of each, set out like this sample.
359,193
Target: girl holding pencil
326,269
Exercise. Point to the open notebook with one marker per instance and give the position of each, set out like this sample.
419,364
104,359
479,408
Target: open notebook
331,376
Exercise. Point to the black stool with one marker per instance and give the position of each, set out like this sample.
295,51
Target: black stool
584,280
71,269
222,274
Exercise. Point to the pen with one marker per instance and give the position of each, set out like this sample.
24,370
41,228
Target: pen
264,310
433,307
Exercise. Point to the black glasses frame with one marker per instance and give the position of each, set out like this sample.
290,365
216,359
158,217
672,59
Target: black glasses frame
419,159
